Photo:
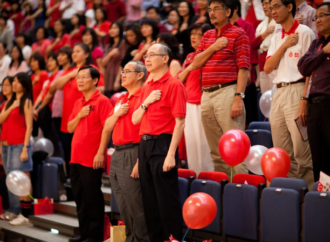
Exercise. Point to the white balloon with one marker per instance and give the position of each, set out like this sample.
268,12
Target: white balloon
44,145
274,90
18,183
265,102
253,160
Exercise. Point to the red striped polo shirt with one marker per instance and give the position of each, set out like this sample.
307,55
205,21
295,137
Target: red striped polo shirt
223,65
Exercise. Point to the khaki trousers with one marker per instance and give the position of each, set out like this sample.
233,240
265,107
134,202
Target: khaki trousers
285,134
216,108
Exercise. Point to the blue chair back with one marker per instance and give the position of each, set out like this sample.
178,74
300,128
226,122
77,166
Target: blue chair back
183,190
316,184
55,160
280,215
241,212
214,190
260,125
50,181
290,183
260,137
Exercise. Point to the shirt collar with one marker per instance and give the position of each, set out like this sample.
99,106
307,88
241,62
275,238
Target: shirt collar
164,78
292,30
239,22
135,94
95,95
226,27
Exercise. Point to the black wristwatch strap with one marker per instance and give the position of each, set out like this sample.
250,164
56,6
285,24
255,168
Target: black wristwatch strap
144,107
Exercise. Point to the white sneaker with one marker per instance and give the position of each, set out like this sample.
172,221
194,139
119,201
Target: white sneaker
20,220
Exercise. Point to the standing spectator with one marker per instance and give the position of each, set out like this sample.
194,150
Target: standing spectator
116,10
17,64
39,16
286,48
77,28
89,38
23,42
113,57
198,151
27,25
16,15
5,61
90,13
305,15
87,160
153,13
174,20
53,12
162,117
39,76
6,35
102,27
60,38
187,18
42,42
133,10
224,55
203,15
315,63
264,33
68,8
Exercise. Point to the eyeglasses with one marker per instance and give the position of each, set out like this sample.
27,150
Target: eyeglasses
210,10
275,7
127,72
150,56
195,34
82,78
322,15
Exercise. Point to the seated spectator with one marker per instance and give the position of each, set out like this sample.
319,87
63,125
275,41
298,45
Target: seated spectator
90,13
23,42
5,33
60,38
53,12
42,42
101,26
5,61
153,13
77,28
116,10
18,63
174,20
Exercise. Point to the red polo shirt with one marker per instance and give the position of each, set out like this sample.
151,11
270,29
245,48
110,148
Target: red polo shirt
70,96
125,132
65,40
87,136
223,65
43,76
115,10
160,116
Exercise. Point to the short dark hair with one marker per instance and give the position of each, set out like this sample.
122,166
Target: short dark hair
287,2
95,40
4,15
67,51
225,4
323,4
140,67
137,31
25,37
157,10
41,60
236,4
3,44
44,29
151,22
53,56
93,71
203,26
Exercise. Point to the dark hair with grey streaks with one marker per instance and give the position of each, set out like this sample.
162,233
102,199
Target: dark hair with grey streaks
140,67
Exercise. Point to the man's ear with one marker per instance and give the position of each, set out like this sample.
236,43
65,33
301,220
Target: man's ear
166,59
95,81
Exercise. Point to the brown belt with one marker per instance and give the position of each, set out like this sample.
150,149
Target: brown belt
284,84
219,86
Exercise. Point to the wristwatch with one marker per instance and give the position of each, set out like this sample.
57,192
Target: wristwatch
242,95
144,107
304,98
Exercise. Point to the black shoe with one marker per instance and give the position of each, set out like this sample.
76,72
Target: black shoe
78,239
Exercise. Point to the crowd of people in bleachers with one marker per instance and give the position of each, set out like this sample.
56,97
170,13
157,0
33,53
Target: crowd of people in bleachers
223,67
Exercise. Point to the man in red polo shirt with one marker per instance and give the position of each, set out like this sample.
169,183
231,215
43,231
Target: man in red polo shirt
225,61
116,10
124,173
162,116
86,121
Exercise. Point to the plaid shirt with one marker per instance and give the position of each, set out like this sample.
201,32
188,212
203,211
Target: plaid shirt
223,65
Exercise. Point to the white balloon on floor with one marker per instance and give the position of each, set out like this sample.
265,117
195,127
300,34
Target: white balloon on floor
18,183
265,102
44,145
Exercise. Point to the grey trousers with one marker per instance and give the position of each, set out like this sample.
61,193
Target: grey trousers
127,192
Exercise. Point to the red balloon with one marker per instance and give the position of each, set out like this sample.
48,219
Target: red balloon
234,147
199,210
115,97
275,162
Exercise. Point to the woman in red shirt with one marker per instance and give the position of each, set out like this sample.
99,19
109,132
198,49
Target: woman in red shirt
42,42
19,118
89,38
54,13
77,28
60,39
16,15
198,151
39,76
102,26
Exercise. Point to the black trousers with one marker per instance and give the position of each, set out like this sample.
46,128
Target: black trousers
86,186
66,139
160,191
319,136
251,103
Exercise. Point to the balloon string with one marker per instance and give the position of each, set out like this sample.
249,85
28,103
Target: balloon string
31,196
185,235
231,174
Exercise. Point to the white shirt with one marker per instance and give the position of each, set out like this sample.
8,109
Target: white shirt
11,26
287,70
91,15
27,52
77,6
4,67
262,27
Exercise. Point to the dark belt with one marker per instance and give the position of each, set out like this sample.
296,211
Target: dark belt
127,146
150,137
284,84
318,99
219,86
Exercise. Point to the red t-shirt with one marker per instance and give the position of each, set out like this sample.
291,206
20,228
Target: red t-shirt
65,40
77,37
125,132
70,96
16,126
87,136
97,53
56,14
43,76
160,116
3,136
104,27
115,10
18,19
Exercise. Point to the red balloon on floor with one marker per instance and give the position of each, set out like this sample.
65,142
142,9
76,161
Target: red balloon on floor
275,162
199,210
234,146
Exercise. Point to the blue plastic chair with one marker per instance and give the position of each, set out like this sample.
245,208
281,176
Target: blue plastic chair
260,137
260,125
50,181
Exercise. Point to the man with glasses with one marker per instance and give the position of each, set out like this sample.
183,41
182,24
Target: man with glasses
162,117
315,63
124,174
224,56
87,157
288,103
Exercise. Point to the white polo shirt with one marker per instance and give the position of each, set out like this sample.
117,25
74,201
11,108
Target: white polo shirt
78,5
287,70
